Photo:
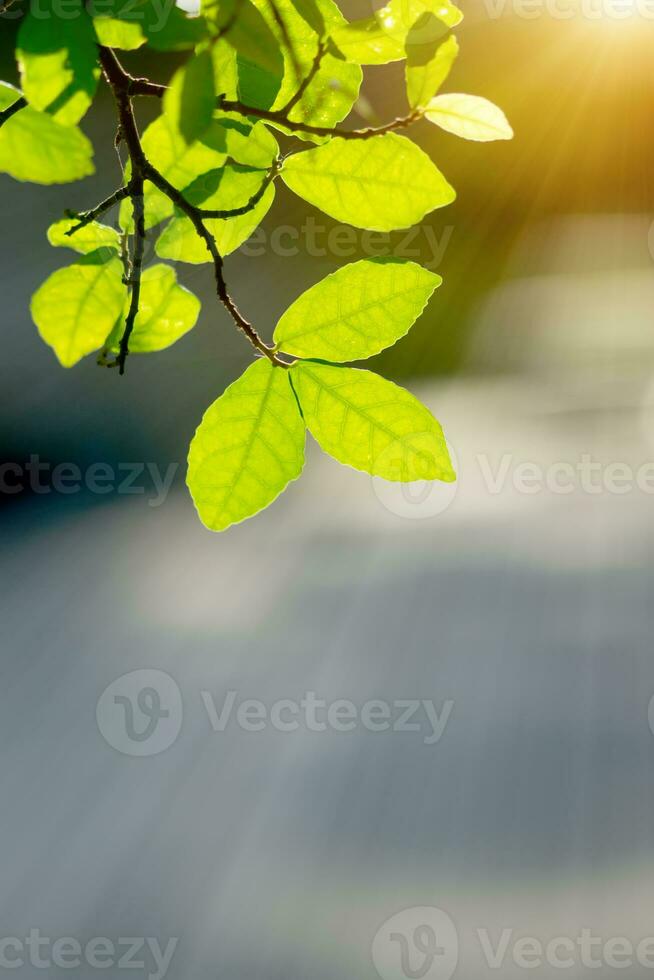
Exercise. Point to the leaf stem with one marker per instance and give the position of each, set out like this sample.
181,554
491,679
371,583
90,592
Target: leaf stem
11,110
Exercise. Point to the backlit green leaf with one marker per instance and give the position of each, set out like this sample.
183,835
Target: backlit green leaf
247,449
164,24
180,242
370,424
382,38
233,186
245,28
470,117
58,61
357,311
34,147
168,28
224,69
334,87
381,183
89,238
427,68
8,95
190,101
253,146
167,311
77,307
121,34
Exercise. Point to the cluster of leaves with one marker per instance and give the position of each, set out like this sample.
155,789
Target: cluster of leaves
201,178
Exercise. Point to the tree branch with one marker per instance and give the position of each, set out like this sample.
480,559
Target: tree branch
136,265
119,82
11,110
142,86
195,216
86,217
249,205
278,117
124,87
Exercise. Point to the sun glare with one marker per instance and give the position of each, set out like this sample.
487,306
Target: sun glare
618,20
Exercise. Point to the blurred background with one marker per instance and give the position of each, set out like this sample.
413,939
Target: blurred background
518,605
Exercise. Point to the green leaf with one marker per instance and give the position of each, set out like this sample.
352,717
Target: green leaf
8,95
89,238
370,424
382,38
114,33
380,183
357,311
34,147
76,308
190,101
233,186
169,28
167,311
247,449
58,61
180,242
253,146
427,68
244,27
165,25
333,89
225,69
255,86
470,117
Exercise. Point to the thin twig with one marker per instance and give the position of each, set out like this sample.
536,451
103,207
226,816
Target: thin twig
249,205
11,110
313,71
299,127
136,265
86,217
279,116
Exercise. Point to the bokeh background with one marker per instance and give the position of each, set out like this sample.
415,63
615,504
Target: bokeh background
279,855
